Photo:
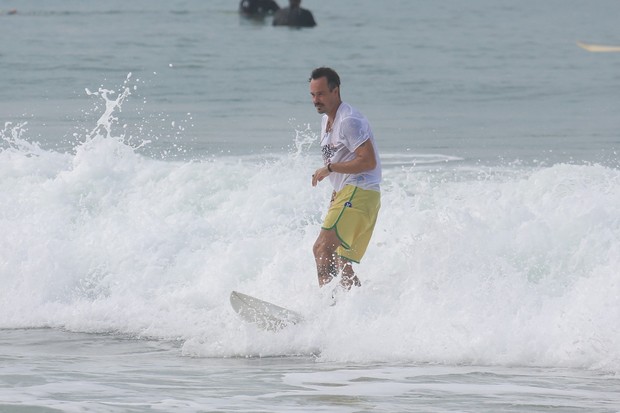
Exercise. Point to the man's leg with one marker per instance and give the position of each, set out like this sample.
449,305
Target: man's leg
325,255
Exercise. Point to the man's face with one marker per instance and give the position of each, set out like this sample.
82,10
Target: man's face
324,100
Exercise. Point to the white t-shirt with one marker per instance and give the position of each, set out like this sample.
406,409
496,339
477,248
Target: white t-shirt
349,131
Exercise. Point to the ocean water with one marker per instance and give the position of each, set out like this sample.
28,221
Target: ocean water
156,155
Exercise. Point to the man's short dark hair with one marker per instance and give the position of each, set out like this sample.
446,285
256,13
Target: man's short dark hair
333,80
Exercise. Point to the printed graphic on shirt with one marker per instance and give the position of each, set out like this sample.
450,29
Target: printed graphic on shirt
328,151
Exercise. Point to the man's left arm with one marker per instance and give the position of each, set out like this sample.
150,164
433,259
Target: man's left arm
364,160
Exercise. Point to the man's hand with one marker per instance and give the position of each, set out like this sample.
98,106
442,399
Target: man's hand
319,175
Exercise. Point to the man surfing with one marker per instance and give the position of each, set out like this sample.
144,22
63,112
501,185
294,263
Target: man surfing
352,164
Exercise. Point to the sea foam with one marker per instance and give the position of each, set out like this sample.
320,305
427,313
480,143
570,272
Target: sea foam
507,265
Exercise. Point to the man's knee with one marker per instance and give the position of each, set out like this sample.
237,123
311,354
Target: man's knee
326,243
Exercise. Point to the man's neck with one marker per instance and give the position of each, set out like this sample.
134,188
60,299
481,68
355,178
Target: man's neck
331,116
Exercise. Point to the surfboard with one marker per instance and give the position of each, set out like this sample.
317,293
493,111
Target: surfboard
264,314
598,47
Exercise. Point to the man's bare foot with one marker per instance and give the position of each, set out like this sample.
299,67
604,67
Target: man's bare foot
347,282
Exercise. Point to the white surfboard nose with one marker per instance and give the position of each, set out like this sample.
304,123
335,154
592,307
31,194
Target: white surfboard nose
265,315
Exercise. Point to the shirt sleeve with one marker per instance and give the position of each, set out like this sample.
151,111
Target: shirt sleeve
354,131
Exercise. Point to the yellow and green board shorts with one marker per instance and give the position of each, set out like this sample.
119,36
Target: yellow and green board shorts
353,214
